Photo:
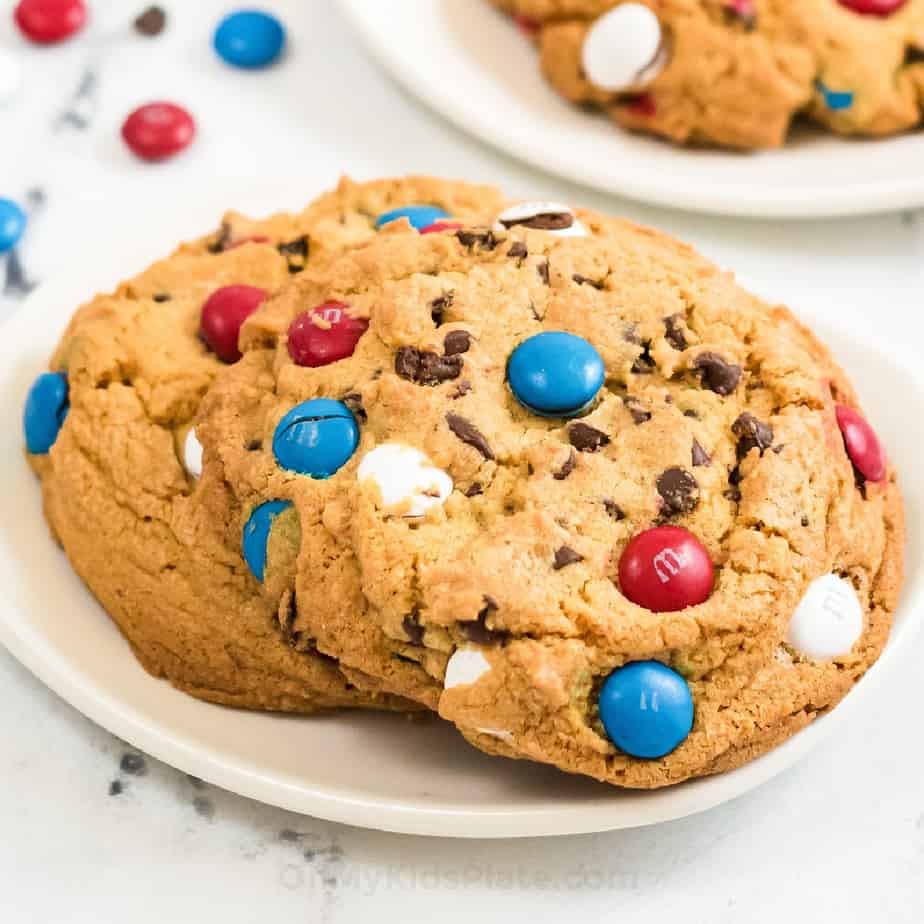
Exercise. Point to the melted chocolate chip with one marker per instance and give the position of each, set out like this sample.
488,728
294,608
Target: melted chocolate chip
463,388
679,492
689,412
567,468
613,509
151,22
546,221
474,489
586,281
355,403
716,374
674,332
805,521
162,297
586,438
700,456
542,268
253,445
457,341
566,556
644,365
413,629
518,250
426,368
477,630
640,414
439,305
484,238
466,431
752,434
296,253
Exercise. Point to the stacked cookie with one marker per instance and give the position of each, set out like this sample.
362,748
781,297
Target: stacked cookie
734,73
551,475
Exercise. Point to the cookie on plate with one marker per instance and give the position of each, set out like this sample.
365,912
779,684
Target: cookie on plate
734,73
110,433
563,480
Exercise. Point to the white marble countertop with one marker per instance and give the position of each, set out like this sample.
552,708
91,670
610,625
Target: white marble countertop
92,831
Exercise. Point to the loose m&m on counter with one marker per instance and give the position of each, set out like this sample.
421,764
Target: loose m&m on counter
48,21
158,131
249,39
316,438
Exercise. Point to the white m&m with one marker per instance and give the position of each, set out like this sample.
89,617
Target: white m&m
466,666
624,49
828,620
407,480
192,454
543,216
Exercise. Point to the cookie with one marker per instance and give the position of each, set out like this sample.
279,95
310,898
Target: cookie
110,432
734,73
570,486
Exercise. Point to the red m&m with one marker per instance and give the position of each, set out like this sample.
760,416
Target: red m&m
157,131
439,226
861,443
223,313
873,7
324,335
47,21
665,569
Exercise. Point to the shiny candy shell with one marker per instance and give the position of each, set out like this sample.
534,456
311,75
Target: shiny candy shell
646,709
466,666
324,335
45,410
861,443
223,313
439,226
420,216
47,21
407,480
828,620
157,131
542,216
249,39
12,224
665,569
256,535
555,374
624,48
873,7
192,454
316,438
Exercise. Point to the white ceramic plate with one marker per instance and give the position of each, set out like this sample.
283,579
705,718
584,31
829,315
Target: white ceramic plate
468,62
365,769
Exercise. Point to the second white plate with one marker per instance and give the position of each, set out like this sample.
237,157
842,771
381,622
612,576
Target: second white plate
468,62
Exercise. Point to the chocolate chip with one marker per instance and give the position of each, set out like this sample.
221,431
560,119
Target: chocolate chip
439,305
457,341
518,250
644,365
426,368
613,509
679,491
546,221
542,268
253,445
674,333
734,479
477,630
474,489
689,412
586,438
413,629
151,22
463,388
566,556
162,297
805,521
752,434
133,765
484,238
586,281
355,403
630,334
700,456
469,434
733,494
716,374
640,414
222,239
296,253
567,468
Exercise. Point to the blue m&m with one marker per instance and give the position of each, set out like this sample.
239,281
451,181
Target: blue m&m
316,438
256,534
46,408
420,216
646,709
12,224
555,374
836,100
249,39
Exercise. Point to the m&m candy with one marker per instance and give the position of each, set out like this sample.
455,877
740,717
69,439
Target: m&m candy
47,21
12,224
324,334
45,410
873,7
861,443
249,39
420,216
555,374
223,313
646,709
157,131
257,532
828,620
624,48
439,226
665,569
316,438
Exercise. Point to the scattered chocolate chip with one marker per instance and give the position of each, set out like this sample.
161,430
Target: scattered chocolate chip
716,374
413,629
474,489
439,305
546,221
733,494
674,332
630,334
484,238
566,556
700,456
679,491
115,788
463,388
162,297
586,438
477,630
644,365
586,281
469,434
752,434
253,445
354,402
424,367
296,253
518,250
222,239
151,22
689,412
542,268
133,765
613,509
640,414
567,468
457,341
805,521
